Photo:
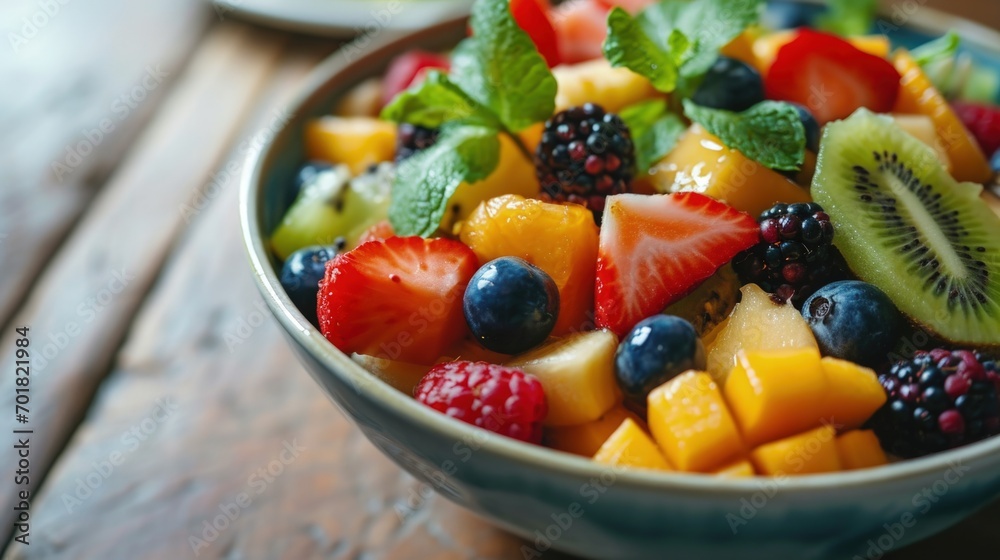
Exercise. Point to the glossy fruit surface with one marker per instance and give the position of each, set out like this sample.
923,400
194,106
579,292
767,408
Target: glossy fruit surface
655,351
300,276
533,17
854,321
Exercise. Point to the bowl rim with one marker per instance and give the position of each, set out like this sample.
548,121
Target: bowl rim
339,363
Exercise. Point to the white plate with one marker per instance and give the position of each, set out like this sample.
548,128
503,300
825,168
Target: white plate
343,18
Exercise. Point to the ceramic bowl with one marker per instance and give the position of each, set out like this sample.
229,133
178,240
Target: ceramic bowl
560,501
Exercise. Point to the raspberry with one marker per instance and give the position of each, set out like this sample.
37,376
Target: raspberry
411,139
936,401
795,255
585,155
500,399
983,121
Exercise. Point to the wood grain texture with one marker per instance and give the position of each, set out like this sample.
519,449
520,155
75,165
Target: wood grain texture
83,304
82,67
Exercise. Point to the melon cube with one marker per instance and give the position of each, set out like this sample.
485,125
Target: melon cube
586,439
810,452
690,421
860,449
630,447
854,393
776,394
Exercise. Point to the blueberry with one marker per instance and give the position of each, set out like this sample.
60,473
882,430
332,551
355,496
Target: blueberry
730,84
301,274
811,126
655,351
854,321
995,161
511,305
787,15
309,171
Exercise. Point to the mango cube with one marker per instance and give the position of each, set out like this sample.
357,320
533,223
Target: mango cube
740,469
357,142
586,439
630,447
811,452
860,449
701,163
854,393
776,394
690,421
578,375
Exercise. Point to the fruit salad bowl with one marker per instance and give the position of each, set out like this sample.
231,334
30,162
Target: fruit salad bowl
556,500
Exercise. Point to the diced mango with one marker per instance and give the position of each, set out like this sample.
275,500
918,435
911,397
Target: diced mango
741,48
586,439
917,95
811,452
766,47
853,393
357,142
630,447
860,449
757,323
701,163
692,425
514,174
596,81
578,375
561,239
776,394
740,469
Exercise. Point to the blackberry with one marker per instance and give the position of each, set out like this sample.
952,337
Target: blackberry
411,139
585,156
795,255
938,400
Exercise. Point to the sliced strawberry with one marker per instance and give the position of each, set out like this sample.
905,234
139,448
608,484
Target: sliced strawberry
407,70
379,232
533,17
655,249
983,121
831,77
398,299
581,26
631,6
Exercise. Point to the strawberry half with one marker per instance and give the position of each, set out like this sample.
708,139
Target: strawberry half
398,299
533,17
655,249
408,69
831,77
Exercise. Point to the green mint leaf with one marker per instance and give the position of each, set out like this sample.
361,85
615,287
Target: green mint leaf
628,45
500,68
709,25
849,17
770,132
434,102
655,131
425,182
939,49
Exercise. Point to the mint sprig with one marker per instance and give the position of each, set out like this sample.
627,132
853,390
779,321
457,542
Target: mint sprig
498,84
849,17
769,133
673,43
943,47
655,131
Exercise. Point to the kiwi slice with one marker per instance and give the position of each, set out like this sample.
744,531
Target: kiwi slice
904,224
711,302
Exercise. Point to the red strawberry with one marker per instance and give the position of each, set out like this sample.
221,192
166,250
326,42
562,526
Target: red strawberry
407,69
399,299
831,77
655,249
983,121
581,26
533,17
379,232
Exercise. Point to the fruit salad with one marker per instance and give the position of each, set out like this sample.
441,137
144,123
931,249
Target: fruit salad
598,228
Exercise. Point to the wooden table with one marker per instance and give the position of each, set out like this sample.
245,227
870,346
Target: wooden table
166,392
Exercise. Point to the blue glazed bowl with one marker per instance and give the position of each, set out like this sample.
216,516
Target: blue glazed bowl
560,501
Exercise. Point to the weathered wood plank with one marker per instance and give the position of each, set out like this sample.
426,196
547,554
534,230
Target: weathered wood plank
82,306
69,69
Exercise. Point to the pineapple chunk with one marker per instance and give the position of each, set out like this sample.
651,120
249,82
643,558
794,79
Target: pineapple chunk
922,128
578,375
630,447
596,81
